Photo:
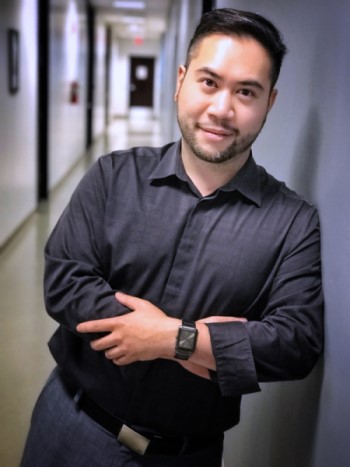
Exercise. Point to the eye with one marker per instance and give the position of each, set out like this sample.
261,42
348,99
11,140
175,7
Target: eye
246,92
209,83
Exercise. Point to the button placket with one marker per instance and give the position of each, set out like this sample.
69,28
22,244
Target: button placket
185,254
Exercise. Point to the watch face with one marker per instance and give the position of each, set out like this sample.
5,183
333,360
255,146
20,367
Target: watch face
187,339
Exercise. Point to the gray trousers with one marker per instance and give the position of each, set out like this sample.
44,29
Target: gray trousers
61,435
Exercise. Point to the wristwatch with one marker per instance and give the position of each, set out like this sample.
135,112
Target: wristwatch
186,340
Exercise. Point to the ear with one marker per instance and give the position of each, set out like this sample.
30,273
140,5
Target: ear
272,99
180,77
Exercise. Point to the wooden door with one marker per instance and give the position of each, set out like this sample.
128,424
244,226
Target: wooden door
141,81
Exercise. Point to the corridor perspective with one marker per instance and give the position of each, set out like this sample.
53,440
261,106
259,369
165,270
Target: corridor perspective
82,78
25,361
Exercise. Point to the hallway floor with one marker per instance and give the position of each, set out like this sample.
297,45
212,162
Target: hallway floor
25,328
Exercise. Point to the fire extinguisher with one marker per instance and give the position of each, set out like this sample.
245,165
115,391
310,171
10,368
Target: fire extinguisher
74,92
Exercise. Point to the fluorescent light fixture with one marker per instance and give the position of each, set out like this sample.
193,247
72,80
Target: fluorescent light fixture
133,19
132,5
135,29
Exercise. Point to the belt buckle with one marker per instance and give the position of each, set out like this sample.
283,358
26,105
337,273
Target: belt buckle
133,440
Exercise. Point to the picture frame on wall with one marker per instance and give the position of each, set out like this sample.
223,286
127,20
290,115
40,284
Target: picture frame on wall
13,60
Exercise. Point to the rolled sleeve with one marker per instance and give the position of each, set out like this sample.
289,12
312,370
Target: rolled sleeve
236,374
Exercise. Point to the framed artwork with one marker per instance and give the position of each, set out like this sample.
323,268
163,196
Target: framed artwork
13,60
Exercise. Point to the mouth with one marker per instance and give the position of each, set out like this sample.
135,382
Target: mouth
217,133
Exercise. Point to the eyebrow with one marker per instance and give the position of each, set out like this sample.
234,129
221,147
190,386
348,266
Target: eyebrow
249,82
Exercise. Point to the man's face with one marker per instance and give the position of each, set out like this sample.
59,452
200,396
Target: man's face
223,97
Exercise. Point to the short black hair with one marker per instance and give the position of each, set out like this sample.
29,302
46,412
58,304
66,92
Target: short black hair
228,21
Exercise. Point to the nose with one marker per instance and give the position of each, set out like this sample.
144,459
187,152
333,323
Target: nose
221,105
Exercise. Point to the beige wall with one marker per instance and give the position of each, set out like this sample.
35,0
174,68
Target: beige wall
68,63
18,119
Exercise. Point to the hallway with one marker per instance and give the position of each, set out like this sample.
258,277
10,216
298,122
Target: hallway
25,328
305,143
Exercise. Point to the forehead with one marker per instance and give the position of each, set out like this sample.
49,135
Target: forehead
232,54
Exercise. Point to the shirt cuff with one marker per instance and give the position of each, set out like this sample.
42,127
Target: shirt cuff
236,374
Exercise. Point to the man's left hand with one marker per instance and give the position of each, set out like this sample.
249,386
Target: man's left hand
146,333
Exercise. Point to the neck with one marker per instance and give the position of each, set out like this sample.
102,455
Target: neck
209,176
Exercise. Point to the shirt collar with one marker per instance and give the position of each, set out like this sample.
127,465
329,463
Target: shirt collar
247,181
169,164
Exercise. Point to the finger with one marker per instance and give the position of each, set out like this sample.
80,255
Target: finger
127,300
221,319
120,361
98,325
103,343
113,353
195,369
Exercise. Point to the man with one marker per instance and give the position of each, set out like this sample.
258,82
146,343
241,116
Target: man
181,276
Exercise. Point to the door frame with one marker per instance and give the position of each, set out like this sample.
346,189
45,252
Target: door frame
90,83
43,37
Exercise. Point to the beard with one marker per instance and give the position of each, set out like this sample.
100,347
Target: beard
240,145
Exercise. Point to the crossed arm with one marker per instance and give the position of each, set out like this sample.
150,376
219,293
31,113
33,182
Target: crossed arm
147,333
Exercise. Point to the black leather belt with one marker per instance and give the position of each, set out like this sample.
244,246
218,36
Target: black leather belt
139,439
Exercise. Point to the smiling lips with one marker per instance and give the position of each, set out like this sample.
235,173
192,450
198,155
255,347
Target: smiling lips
217,131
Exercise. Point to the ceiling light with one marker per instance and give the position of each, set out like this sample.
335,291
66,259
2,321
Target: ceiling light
133,19
129,5
135,28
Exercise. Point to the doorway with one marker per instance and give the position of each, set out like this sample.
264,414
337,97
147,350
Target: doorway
141,81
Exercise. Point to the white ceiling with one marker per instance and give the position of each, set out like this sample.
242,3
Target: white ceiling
147,23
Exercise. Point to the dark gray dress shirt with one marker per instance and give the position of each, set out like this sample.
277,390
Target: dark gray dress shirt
137,224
